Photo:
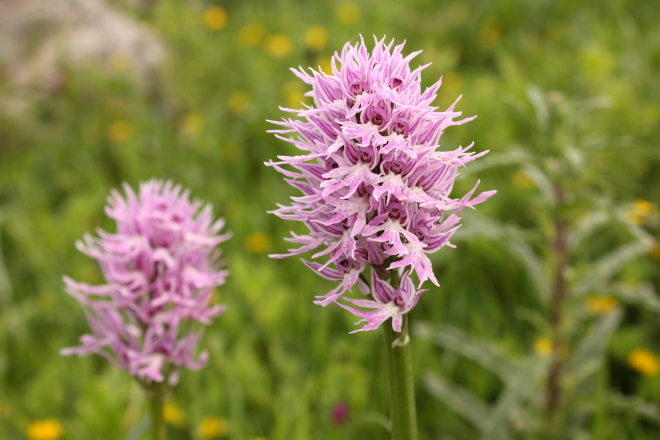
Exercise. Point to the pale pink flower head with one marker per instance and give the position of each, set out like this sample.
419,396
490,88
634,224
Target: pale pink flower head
161,268
376,186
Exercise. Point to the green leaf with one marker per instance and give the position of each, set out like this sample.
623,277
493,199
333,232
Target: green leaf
483,353
537,319
521,378
641,407
459,399
644,295
589,354
518,391
140,429
542,182
587,225
514,155
610,264
541,108
496,422
520,106
588,105
512,237
371,417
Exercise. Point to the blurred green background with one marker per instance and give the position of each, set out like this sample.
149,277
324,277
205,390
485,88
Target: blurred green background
93,94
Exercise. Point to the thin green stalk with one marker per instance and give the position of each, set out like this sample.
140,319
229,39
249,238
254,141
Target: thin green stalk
156,396
559,293
400,378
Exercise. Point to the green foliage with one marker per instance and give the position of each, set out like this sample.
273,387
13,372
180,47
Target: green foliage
556,397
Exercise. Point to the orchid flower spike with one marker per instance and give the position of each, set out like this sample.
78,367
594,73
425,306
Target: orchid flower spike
376,187
161,267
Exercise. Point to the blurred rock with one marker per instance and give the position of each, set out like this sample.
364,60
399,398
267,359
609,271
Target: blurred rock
41,39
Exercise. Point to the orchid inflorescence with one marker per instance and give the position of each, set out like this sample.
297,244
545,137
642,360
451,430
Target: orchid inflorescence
375,189
161,267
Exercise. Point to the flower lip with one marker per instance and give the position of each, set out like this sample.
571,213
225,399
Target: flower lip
400,128
391,165
357,88
397,211
395,83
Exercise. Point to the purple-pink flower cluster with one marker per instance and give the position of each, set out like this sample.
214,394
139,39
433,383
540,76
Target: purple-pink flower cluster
161,268
375,190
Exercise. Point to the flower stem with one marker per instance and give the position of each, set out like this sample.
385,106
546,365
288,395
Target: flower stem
156,396
559,292
400,378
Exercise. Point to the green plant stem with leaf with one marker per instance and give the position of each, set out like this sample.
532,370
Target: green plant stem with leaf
403,413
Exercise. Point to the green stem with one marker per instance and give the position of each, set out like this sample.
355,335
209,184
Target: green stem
559,293
156,396
400,378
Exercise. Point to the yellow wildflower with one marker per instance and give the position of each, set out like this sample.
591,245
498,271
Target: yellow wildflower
215,18
316,37
349,13
239,102
603,305
251,35
325,64
120,131
643,212
215,297
193,123
295,95
48,429
173,415
644,361
543,346
258,242
213,427
655,250
119,62
279,45
491,32
523,180
295,100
